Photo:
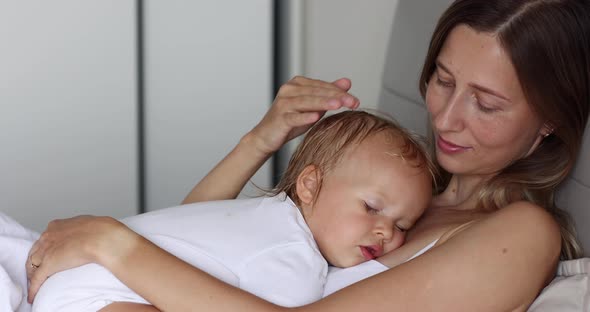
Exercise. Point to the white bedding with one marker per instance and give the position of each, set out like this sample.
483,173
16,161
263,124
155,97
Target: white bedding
568,292
15,242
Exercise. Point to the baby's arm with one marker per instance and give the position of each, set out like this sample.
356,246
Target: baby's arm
129,307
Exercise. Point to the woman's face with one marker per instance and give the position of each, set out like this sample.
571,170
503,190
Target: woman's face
480,117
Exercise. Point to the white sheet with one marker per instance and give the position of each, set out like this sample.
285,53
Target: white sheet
569,291
15,242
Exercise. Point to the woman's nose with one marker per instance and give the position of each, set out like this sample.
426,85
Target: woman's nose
449,115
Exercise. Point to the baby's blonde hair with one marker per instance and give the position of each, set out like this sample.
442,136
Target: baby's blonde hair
327,141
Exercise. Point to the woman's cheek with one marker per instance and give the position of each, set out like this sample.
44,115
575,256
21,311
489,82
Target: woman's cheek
434,98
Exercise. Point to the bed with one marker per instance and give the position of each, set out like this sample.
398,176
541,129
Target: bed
412,26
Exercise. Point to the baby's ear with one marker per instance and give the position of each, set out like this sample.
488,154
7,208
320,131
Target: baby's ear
307,185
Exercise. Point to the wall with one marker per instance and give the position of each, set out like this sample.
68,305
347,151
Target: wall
208,79
69,103
68,124
348,38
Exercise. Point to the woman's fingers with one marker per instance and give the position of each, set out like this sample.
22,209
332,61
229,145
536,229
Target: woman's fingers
62,246
298,105
343,84
312,103
35,268
36,278
302,119
323,90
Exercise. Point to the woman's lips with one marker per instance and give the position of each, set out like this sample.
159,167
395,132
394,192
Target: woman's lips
448,147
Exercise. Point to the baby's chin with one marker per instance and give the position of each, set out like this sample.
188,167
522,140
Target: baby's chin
345,263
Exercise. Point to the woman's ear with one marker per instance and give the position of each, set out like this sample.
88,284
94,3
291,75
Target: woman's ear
307,185
545,131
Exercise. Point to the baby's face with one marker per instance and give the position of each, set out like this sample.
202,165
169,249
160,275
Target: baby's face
367,202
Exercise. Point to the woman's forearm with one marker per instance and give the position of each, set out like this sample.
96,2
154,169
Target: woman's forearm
171,284
228,177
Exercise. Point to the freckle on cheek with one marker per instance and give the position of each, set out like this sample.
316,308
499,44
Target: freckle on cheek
504,250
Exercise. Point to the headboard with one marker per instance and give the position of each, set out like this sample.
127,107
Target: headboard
412,26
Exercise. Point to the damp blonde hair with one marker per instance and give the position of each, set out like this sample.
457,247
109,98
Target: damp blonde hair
328,140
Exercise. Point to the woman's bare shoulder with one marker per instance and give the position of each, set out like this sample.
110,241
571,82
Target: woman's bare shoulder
517,247
518,218
521,232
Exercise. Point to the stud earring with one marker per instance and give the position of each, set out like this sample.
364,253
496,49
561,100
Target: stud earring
549,132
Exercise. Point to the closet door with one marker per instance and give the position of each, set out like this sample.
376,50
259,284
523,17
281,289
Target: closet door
208,80
67,109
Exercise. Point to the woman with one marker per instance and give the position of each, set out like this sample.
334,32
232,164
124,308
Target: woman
507,87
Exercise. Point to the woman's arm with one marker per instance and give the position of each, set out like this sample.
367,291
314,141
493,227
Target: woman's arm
497,264
128,307
298,105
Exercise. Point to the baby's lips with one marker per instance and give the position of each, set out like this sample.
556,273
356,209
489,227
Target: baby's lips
377,250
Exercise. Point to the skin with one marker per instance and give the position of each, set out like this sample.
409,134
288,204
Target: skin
365,203
488,117
483,262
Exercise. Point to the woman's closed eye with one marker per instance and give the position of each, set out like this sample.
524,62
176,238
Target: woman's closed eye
444,83
484,107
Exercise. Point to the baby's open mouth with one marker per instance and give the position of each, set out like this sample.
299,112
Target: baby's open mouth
371,252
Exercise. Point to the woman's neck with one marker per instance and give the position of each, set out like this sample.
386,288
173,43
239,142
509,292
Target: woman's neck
461,192
456,205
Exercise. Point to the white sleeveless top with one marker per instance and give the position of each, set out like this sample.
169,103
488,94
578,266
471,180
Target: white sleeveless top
339,278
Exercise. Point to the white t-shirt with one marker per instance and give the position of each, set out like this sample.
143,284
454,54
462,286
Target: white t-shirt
260,245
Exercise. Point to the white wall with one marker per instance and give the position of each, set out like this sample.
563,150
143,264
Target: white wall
68,106
208,81
67,109
348,38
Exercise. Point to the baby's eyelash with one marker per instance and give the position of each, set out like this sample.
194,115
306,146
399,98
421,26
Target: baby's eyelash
370,209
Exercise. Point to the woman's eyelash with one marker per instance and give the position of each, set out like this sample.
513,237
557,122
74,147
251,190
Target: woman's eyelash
485,109
443,83
482,107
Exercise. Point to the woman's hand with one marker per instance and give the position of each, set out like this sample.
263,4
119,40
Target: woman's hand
298,105
73,242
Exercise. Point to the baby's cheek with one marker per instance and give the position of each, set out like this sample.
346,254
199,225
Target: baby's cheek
396,242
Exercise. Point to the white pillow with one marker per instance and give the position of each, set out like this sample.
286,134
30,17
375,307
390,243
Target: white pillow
569,291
